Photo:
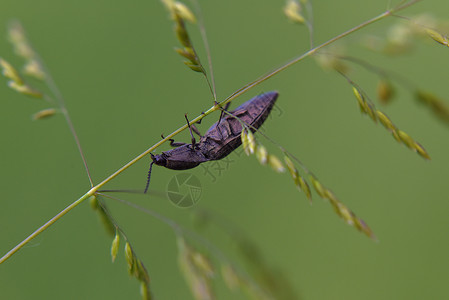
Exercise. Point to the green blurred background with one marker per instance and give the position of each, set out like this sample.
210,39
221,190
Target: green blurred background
124,86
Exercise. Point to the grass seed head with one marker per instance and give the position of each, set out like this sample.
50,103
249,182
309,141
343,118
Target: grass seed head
385,91
385,121
245,142
25,90
293,11
181,32
10,72
291,168
230,277
421,151
34,69
115,246
275,163
145,291
436,104
304,186
199,284
371,111
438,37
19,41
360,99
262,154
141,272
44,114
130,259
187,53
194,67
252,145
203,264
184,12
406,139
319,188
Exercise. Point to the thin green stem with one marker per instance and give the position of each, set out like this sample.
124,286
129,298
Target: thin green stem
199,118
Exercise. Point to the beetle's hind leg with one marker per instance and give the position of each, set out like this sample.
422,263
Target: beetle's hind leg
222,112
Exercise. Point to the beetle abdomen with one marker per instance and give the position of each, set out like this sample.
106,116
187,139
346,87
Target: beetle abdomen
224,137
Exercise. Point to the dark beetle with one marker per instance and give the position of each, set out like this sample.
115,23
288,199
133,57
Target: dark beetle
220,140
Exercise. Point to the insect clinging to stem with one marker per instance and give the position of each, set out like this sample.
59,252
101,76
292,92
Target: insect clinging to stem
220,140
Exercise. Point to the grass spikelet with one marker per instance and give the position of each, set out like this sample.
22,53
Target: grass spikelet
319,188
349,217
399,135
304,186
181,32
332,62
371,111
421,151
203,264
10,72
130,259
385,121
137,270
103,214
436,104
342,210
33,68
17,83
184,12
385,91
360,99
115,245
20,42
44,114
141,272
365,106
297,179
199,284
406,139
25,90
437,37
262,155
252,145
180,13
186,52
145,291
248,141
245,143
344,213
291,168
275,163
293,11
230,277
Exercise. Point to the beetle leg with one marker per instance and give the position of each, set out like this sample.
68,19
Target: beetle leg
222,112
173,143
199,122
191,133
196,130
221,116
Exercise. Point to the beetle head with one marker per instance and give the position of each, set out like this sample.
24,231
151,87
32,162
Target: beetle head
159,159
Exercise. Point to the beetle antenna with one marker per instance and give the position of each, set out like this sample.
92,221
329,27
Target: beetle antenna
148,178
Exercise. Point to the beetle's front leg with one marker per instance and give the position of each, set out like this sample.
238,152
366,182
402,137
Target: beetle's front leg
173,143
191,133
